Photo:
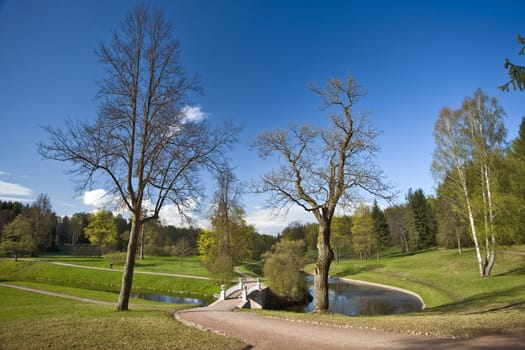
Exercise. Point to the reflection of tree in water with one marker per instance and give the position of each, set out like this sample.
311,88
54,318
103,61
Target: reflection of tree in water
350,299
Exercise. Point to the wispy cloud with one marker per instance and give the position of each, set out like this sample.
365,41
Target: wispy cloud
12,189
194,113
267,222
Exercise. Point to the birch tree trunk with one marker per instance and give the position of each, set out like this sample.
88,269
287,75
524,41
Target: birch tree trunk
472,223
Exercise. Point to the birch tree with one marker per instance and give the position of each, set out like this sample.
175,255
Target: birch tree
145,144
466,137
322,169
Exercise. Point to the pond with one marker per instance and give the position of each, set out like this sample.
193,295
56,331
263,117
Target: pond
170,299
356,299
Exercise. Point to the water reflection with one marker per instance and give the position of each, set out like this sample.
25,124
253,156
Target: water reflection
170,299
352,299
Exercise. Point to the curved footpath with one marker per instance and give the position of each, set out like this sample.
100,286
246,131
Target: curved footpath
262,332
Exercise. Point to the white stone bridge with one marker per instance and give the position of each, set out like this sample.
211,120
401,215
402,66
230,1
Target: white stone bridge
250,293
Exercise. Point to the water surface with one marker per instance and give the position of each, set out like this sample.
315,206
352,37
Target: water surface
356,299
170,299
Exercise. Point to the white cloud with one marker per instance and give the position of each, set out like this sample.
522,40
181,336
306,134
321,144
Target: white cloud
98,198
194,113
265,220
12,189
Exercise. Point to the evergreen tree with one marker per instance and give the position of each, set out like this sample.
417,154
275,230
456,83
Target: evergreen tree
425,226
516,72
514,221
381,229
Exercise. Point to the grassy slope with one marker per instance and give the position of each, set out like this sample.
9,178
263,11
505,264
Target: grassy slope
102,280
190,265
33,321
445,279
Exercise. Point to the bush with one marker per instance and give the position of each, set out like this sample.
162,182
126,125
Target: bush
282,268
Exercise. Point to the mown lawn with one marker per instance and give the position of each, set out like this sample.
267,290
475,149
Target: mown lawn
34,321
105,280
190,265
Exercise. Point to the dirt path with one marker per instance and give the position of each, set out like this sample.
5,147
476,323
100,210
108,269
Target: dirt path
273,333
120,270
58,295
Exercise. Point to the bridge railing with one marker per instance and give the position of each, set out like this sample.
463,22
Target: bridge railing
226,293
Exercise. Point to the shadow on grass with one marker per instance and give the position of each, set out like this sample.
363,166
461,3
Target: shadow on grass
354,269
507,299
404,254
519,271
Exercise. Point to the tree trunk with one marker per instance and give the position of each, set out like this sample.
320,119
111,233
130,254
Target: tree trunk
142,242
460,249
491,248
322,268
127,276
471,222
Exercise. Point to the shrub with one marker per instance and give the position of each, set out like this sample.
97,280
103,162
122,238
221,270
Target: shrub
282,268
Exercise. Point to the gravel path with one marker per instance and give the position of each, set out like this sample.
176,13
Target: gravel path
274,333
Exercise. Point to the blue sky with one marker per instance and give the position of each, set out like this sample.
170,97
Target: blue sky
254,60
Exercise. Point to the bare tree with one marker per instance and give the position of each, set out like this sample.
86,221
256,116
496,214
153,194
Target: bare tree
323,169
144,145
226,204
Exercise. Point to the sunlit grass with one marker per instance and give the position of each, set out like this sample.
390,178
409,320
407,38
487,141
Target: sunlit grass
190,265
33,321
105,280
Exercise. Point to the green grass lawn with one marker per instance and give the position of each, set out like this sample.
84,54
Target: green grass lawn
103,280
190,265
34,321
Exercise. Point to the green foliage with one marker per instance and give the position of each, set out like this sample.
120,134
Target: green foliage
453,230
513,217
364,237
282,268
207,245
381,227
298,231
17,238
340,236
424,229
102,228
516,72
